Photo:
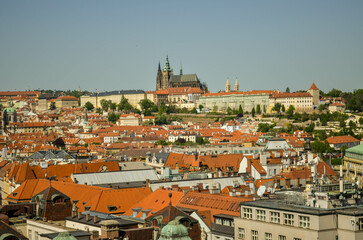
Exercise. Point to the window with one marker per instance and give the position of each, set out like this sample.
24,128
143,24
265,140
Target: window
241,233
30,234
254,235
281,237
297,238
261,215
304,221
360,221
288,219
275,217
247,213
218,221
268,236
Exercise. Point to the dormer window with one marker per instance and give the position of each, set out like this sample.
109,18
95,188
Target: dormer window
58,199
112,208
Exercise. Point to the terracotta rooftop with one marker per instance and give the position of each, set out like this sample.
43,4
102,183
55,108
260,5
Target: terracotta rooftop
313,87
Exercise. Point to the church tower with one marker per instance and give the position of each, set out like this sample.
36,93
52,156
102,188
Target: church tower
315,92
236,86
158,78
164,75
227,88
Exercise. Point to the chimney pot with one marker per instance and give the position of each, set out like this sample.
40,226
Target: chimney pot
79,215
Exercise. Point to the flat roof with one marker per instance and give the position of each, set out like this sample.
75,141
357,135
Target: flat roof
280,205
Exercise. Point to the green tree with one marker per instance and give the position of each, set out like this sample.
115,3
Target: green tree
52,106
154,108
283,108
258,109
146,104
229,111
124,105
201,107
105,104
215,108
287,90
310,128
112,117
264,108
319,146
277,107
253,112
290,111
355,100
322,107
194,111
334,93
304,117
361,121
240,111
89,106
113,106
352,124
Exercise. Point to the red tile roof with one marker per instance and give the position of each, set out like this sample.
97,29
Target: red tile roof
341,139
313,87
291,95
97,198
217,204
156,201
253,92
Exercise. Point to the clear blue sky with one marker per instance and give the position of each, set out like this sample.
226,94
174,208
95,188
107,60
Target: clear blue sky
112,45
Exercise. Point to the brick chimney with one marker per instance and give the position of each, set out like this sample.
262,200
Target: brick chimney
94,235
95,219
87,217
79,215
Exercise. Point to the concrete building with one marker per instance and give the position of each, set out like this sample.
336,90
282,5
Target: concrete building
353,162
248,100
133,96
301,101
276,219
65,101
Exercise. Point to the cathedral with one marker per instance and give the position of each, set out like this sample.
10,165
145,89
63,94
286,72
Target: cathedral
166,79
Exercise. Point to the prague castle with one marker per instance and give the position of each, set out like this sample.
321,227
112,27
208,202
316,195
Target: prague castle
166,79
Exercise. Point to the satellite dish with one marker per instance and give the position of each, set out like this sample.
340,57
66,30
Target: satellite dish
261,190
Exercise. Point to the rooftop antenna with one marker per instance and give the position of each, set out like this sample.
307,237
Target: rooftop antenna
261,190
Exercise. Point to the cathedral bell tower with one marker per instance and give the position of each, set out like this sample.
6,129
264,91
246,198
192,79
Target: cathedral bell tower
163,76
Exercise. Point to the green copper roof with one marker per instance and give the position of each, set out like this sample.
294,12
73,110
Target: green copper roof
167,65
64,236
357,149
174,230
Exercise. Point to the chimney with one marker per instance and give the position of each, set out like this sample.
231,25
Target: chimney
95,219
94,235
263,159
79,215
87,217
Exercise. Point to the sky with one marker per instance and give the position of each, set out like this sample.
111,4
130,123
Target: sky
117,45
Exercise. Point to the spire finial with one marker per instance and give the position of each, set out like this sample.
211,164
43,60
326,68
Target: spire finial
181,68
170,195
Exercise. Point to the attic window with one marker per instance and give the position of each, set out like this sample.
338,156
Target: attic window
112,208
87,208
15,193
